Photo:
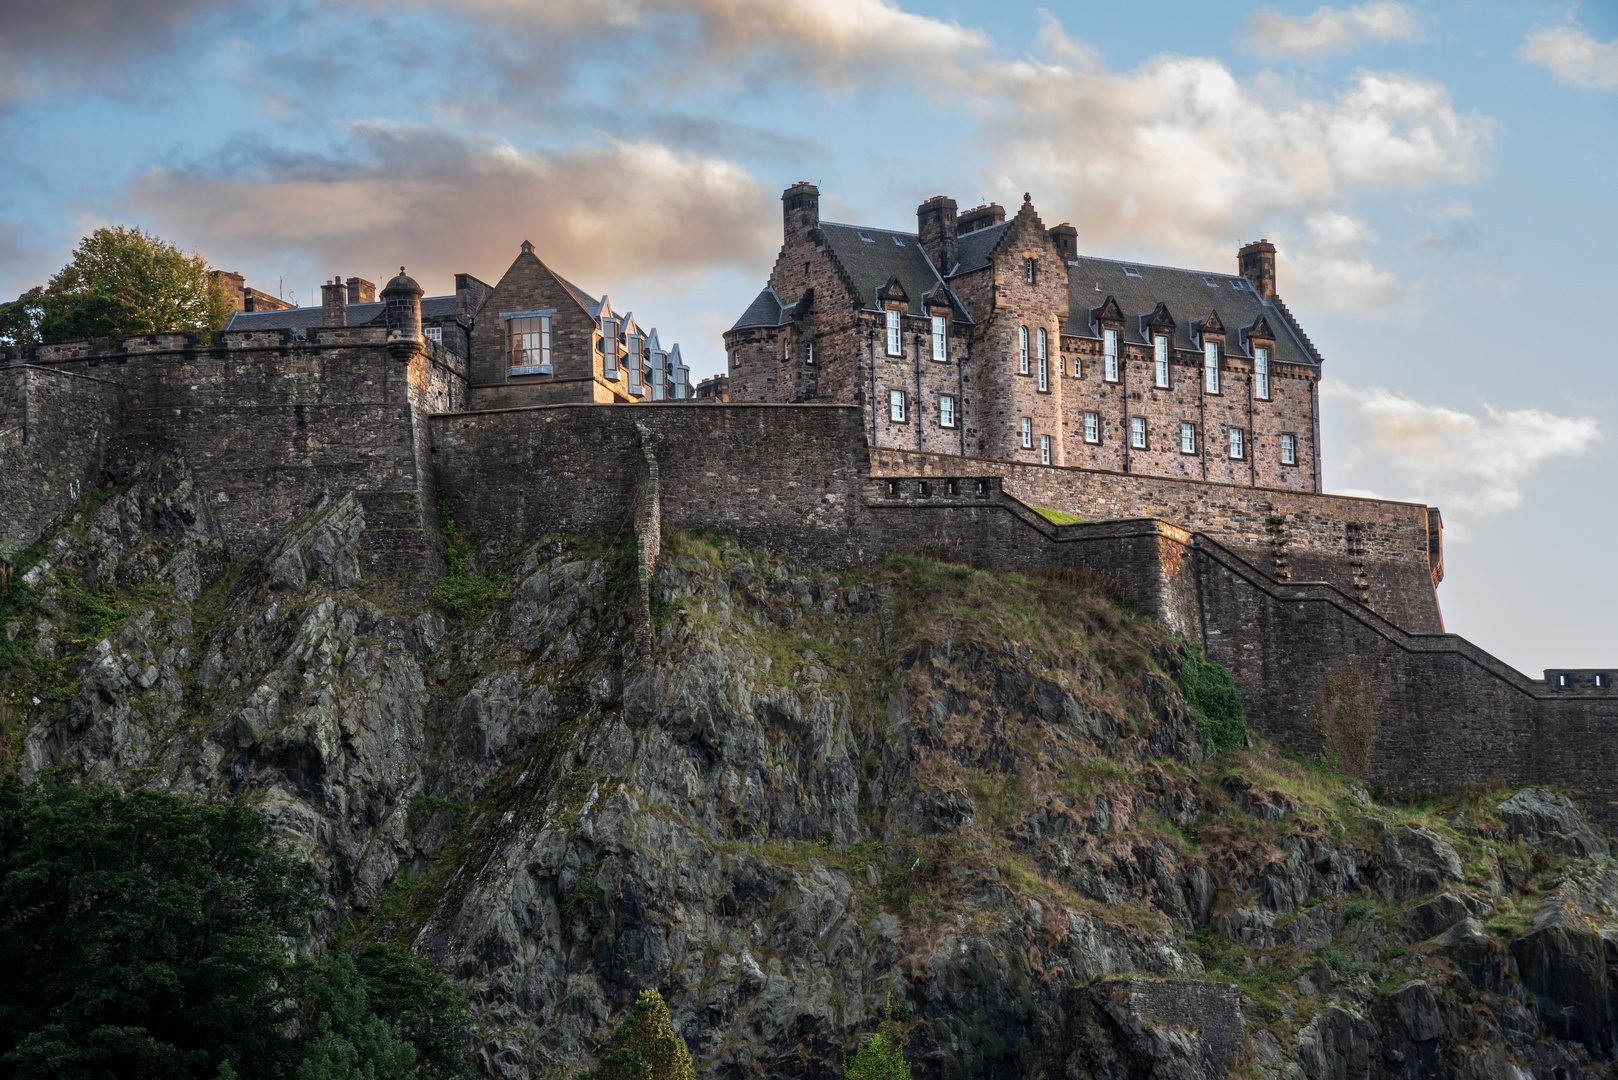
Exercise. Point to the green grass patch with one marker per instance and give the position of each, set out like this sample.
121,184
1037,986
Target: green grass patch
1058,517
1210,693
465,592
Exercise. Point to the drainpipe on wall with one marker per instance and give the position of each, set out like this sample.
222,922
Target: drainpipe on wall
1314,432
921,412
1252,432
1123,360
1202,420
960,394
870,339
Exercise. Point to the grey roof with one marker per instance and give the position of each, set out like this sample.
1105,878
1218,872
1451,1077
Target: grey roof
871,256
765,310
588,303
974,248
301,318
1189,296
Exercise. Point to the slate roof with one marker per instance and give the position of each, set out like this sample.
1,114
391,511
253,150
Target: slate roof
974,248
1189,296
588,303
765,310
871,257
301,318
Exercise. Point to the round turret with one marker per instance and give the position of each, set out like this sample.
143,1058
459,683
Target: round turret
401,298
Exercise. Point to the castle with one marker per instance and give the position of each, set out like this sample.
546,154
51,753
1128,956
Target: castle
531,407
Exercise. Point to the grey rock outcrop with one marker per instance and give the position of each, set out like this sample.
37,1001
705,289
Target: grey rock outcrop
1553,823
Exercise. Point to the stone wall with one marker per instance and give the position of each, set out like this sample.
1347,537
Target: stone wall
1380,552
56,429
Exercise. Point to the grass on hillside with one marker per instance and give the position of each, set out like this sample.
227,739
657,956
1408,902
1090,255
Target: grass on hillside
1058,517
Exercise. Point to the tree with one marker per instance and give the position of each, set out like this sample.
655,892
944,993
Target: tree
645,1046
143,935
119,281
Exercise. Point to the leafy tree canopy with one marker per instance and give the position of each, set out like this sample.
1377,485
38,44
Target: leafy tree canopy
119,281
144,935
645,1046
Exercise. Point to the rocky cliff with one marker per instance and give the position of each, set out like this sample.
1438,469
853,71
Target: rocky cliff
972,807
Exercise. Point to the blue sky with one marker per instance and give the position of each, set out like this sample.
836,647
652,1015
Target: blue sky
1437,176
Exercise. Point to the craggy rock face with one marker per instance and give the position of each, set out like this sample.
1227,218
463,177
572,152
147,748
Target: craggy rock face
973,807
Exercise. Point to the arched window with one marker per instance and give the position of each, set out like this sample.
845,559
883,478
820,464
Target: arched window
1044,362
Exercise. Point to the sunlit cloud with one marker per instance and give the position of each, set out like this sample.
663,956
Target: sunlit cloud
1573,56
1331,30
1477,464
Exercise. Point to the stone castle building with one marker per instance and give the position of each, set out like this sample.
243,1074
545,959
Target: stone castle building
992,338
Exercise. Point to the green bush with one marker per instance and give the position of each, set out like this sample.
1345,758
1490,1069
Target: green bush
881,1058
645,1046
1215,706
462,592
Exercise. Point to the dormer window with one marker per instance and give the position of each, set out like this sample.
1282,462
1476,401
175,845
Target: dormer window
940,338
1109,355
1022,350
528,345
893,333
609,348
1210,369
633,362
1261,372
1160,353
1044,362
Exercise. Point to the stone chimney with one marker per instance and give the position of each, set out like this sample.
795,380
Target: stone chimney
334,303
402,300
235,287
1066,239
981,217
800,210
361,291
935,223
1256,261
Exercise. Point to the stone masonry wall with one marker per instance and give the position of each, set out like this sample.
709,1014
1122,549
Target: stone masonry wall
1376,551
56,429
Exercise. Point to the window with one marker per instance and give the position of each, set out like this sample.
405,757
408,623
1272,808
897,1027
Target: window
1109,354
896,406
1022,350
1289,449
436,333
1160,351
1029,265
786,347
1044,364
633,362
1188,438
1044,449
1210,367
1137,432
609,348
940,338
1092,427
893,333
808,352
528,345
1130,271
1261,372
1235,442
1027,432
946,411
659,375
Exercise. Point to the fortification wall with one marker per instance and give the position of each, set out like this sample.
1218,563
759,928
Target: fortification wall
1378,551
56,430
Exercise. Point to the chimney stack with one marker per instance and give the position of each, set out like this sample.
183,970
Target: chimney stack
361,291
800,210
334,303
1256,261
935,224
981,217
1066,239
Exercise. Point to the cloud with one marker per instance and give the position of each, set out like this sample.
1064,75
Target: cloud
1454,229
1573,56
599,214
1469,463
89,43
1330,30
1179,157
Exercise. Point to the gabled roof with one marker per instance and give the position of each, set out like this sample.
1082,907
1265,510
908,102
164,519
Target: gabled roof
873,257
975,248
584,299
765,310
1140,287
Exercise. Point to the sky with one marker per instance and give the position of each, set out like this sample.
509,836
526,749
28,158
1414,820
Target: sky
1437,176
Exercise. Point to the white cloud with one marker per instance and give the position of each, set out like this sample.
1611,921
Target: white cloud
1330,30
1474,464
1573,56
600,214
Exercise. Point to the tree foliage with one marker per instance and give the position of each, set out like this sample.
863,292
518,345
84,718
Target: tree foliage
645,1045
144,935
1215,706
119,281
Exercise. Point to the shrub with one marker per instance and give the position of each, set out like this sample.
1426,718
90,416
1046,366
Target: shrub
881,1058
645,1046
1215,706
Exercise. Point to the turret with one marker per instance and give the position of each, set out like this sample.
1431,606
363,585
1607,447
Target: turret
401,299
